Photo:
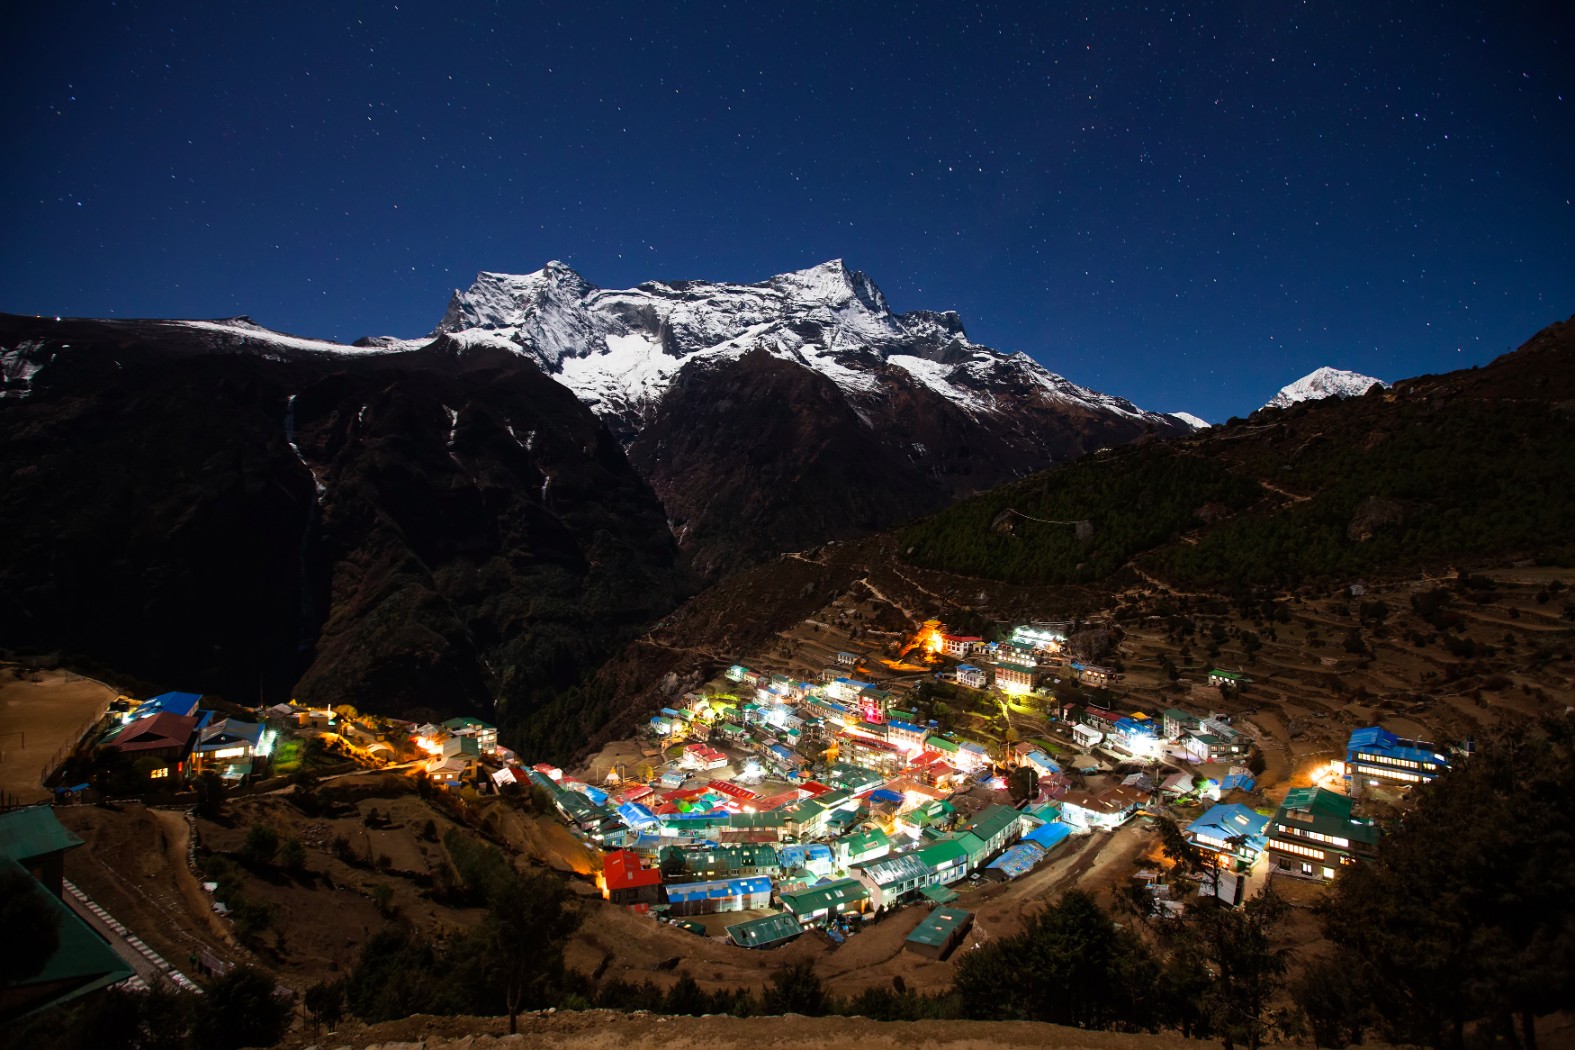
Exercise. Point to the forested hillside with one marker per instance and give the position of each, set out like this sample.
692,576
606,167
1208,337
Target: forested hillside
1472,464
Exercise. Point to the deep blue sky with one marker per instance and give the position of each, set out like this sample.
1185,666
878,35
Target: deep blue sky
1186,204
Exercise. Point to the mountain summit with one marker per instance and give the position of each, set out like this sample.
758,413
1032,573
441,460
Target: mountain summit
801,408
1324,382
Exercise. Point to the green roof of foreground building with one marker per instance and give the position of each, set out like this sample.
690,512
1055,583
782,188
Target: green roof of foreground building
33,832
831,895
82,961
941,923
766,931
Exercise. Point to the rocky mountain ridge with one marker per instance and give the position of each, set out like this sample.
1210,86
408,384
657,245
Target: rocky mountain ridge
620,350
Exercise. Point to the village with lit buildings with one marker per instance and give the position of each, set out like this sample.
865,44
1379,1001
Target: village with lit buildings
823,804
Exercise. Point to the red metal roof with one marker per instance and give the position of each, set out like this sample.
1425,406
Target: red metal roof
732,790
153,733
623,871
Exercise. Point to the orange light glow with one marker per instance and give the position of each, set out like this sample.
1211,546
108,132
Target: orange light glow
429,745
1330,774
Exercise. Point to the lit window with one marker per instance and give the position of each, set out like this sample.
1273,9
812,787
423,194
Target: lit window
162,771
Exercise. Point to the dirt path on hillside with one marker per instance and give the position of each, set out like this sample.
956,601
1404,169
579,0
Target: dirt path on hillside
876,591
177,847
133,864
1281,492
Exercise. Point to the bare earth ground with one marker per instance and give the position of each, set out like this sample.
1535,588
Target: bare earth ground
38,719
132,864
604,1030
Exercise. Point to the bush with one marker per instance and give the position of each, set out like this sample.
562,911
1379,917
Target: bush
292,855
262,843
240,1010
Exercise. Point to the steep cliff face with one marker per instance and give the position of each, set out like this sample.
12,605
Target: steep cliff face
229,509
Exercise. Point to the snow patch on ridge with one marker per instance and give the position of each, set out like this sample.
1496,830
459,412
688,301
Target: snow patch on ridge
937,377
17,368
243,330
1191,420
633,370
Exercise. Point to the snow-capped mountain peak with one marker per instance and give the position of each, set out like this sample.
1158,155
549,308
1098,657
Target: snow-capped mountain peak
620,351
1324,382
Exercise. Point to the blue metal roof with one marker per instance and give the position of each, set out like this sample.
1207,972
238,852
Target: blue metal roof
721,889
1018,860
1049,836
906,727
1044,761
1132,725
1377,738
595,794
637,816
179,703
1230,821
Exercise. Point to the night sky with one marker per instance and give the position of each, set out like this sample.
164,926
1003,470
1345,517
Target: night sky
1188,205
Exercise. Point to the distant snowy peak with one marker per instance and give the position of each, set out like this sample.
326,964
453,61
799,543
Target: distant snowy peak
620,350
1322,383
1191,420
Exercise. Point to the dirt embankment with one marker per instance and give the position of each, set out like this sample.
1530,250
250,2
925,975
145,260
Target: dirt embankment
604,1030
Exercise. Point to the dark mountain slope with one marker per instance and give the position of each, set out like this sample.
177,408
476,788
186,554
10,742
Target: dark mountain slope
447,532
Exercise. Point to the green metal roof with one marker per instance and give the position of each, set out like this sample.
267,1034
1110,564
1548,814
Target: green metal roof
938,926
941,744
33,832
831,895
771,819
1049,812
973,845
466,722
1330,814
82,963
938,893
766,931
992,822
863,841
943,852
937,809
